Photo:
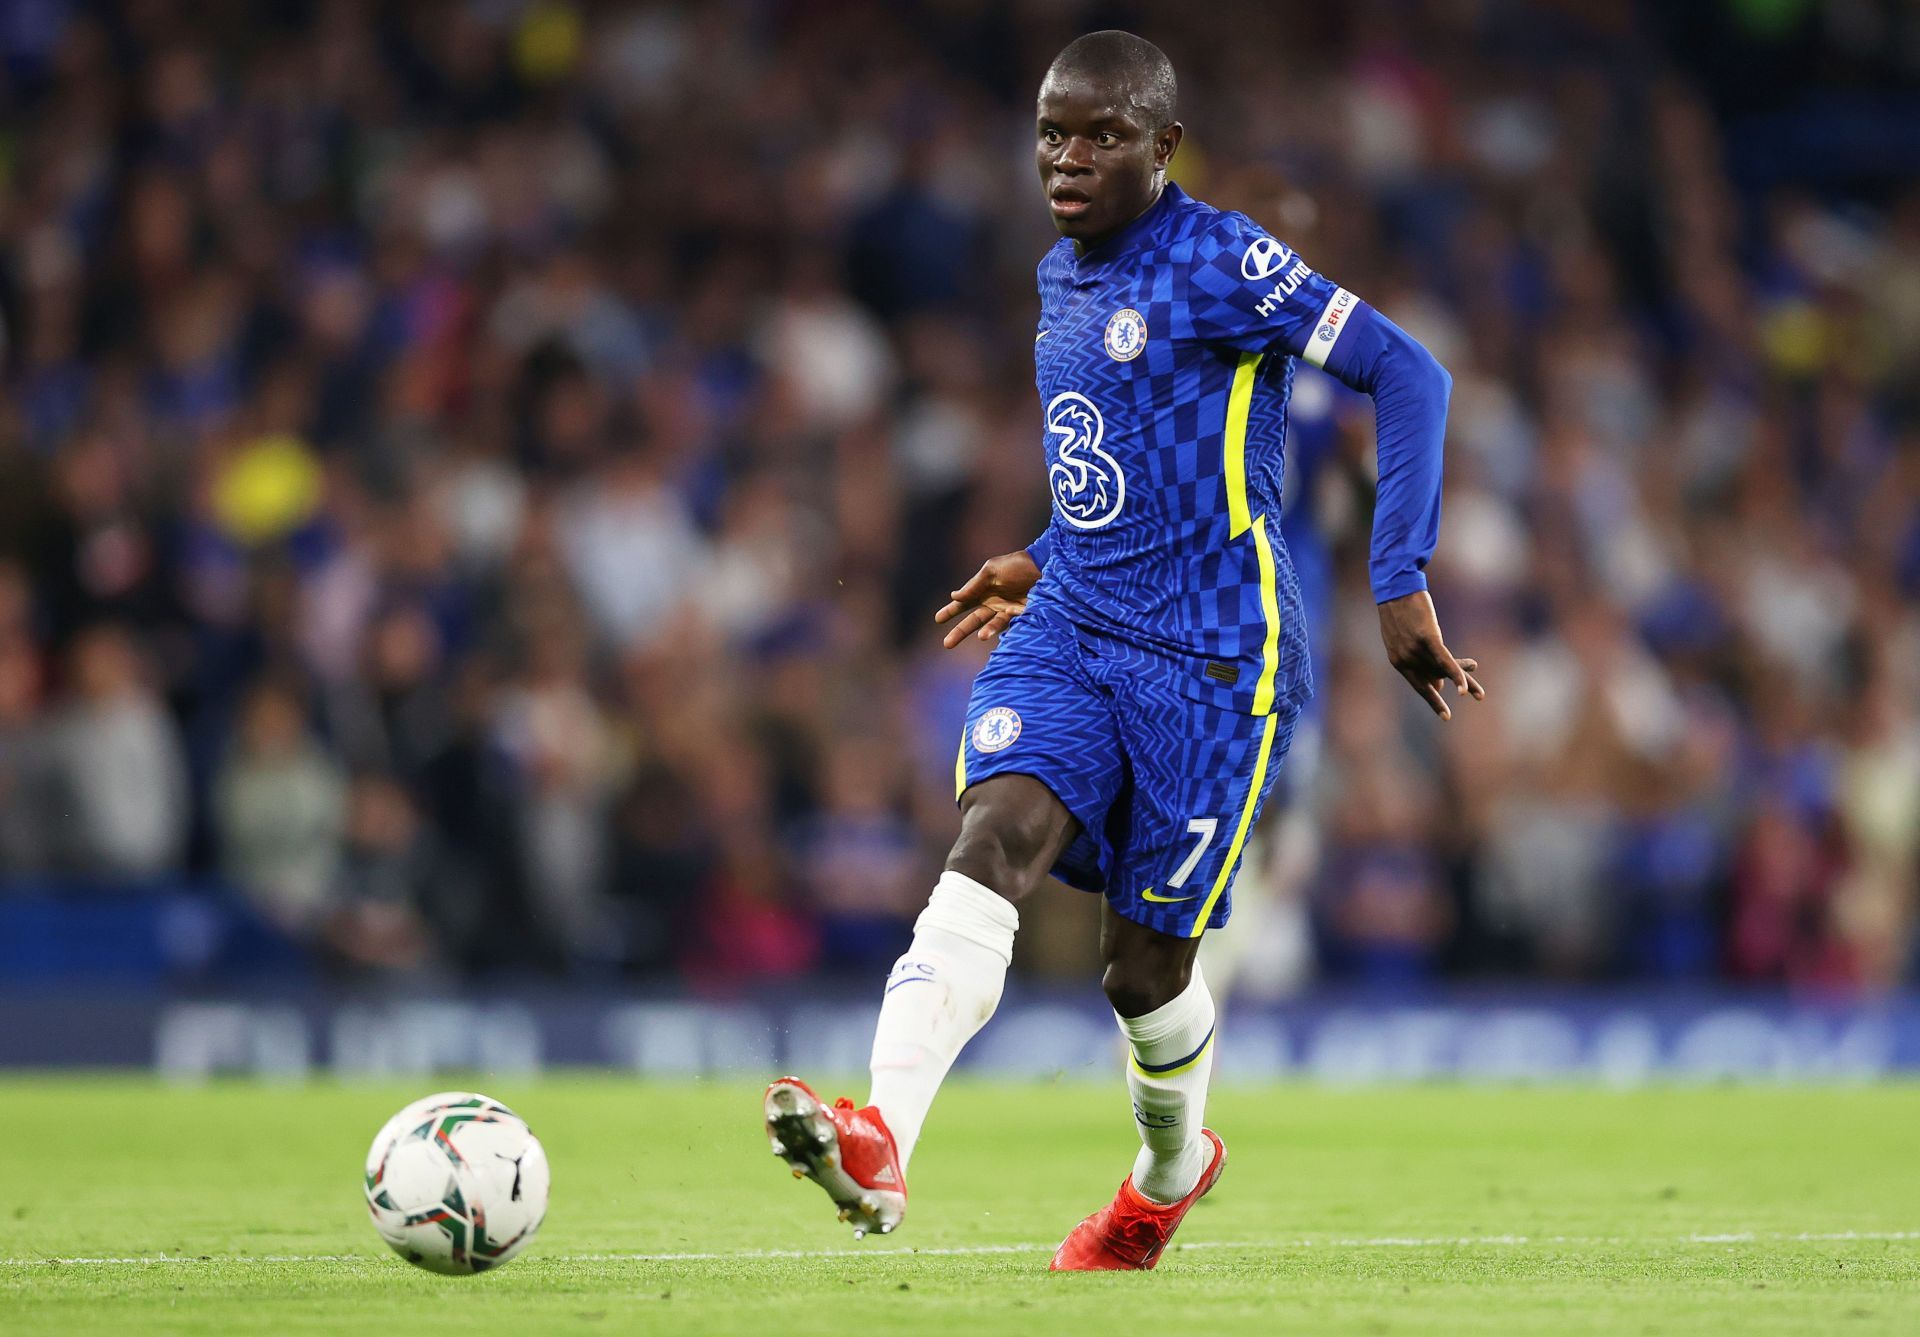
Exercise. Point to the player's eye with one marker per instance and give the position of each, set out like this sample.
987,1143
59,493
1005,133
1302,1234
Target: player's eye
1050,136
1106,139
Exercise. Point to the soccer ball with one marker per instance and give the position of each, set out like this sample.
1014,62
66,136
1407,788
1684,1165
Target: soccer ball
456,1183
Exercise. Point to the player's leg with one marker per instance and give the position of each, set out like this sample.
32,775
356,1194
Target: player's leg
937,997
1164,1009
1167,1014
947,984
1270,951
1039,765
1200,776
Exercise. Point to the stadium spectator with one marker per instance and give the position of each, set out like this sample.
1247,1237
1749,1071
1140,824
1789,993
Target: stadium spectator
121,769
280,806
591,484
389,880
28,780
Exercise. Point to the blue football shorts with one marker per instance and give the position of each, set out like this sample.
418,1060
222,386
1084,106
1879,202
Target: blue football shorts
1166,788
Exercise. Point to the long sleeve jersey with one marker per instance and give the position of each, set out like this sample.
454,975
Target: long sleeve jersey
1164,358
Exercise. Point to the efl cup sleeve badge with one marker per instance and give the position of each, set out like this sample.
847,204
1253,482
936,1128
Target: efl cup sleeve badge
1126,334
1332,321
996,730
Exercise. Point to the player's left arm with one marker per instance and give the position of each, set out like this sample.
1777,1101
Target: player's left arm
1410,390
1250,291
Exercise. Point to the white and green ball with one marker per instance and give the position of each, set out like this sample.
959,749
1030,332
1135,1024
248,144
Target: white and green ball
457,1183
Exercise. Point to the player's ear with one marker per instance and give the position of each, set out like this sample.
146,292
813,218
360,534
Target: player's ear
1167,143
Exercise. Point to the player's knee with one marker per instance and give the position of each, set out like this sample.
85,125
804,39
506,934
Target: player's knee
998,859
1137,986
1007,845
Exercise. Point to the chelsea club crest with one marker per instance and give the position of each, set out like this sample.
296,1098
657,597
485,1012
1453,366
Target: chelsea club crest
996,730
1126,334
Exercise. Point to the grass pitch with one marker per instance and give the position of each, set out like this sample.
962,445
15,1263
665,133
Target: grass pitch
127,1207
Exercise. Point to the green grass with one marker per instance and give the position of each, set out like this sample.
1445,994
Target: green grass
1410,1210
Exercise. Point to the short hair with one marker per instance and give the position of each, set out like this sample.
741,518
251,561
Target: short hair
1134,66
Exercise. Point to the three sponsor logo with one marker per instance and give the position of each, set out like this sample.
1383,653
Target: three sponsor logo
1087,485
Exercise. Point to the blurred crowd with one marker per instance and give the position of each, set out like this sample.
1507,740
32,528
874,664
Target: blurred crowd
476,475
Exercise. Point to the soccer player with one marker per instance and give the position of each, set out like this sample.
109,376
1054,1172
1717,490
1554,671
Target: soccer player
1141,695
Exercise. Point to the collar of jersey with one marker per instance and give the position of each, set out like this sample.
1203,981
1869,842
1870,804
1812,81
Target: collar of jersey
1128,239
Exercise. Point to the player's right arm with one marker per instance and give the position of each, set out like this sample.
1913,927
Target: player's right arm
1249,291
995,595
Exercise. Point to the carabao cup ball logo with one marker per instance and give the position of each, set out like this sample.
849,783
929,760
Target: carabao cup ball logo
1088,487
996,730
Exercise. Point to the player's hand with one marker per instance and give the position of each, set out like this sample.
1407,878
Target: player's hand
1412,633
986,604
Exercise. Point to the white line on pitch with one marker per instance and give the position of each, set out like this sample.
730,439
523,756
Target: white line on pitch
967,1250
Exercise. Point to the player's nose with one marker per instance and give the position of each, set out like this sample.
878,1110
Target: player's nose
1075,157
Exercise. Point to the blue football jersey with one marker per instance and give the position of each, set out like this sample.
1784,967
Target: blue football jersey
1164,359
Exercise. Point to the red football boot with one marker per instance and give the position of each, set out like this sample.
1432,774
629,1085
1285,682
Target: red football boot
846,1151
1131,1232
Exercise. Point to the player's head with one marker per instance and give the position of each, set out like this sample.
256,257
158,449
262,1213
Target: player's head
1105,132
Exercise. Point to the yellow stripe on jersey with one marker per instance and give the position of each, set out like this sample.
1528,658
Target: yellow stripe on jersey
1234,462
1239,521
960,766
1240,832
1270,610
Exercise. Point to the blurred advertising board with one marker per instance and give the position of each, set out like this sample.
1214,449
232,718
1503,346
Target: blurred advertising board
1615,1038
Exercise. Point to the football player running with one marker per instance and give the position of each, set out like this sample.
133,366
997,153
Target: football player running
1150,658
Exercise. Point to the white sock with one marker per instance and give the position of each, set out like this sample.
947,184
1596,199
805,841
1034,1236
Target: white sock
1167,1072
938,997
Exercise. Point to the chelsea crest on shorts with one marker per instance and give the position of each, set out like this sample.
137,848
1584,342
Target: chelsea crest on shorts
996,730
